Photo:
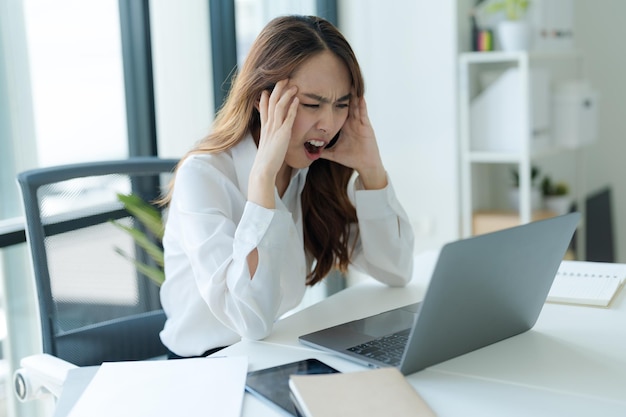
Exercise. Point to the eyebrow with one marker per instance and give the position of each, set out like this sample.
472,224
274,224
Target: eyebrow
324,99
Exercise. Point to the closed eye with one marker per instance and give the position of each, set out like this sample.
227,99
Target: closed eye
311,106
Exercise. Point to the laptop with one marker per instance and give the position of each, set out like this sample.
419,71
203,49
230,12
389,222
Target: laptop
482,290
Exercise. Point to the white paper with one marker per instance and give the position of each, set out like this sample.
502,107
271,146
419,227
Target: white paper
582,282
181,387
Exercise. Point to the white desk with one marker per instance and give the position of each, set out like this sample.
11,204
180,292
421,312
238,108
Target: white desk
572,363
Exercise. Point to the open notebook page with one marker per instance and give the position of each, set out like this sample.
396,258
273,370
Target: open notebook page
587,283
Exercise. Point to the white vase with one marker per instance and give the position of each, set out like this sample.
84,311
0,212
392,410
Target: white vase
535,198
514,35
558,204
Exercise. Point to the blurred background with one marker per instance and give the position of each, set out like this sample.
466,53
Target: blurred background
107,79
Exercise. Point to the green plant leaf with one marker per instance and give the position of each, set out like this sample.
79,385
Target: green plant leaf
149,239
153,273
512,9
144,212
153,250
561,188
534,174
496,7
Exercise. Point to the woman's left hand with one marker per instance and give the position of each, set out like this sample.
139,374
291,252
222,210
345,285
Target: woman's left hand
357,147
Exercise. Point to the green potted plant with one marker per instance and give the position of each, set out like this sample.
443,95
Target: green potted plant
513,30
535,191
556,196
512,9
148,235
534,175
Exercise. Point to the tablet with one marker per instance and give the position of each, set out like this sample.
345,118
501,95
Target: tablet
271,385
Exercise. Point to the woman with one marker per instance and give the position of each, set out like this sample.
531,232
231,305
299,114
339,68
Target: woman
266,203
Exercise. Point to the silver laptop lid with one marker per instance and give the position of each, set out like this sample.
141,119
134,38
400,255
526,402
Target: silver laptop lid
487,288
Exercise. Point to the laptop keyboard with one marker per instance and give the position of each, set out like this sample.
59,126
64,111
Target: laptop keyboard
387,349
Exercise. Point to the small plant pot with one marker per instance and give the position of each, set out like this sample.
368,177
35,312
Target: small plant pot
514,35
535,199
559,204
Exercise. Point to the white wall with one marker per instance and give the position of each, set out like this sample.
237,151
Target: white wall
407,50
600,32
408,53
181,53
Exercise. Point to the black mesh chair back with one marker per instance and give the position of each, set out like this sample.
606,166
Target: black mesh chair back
93,304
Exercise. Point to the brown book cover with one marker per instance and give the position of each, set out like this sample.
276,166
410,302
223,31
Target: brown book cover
380,392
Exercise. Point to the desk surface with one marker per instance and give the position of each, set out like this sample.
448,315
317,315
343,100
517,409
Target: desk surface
573,362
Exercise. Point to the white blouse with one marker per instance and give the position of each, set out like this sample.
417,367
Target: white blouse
208,295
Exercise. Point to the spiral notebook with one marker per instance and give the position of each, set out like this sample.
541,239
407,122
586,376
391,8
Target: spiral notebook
587,283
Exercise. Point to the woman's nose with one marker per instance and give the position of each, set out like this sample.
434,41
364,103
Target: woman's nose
325,122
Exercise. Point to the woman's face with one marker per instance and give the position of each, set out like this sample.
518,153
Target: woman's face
324,90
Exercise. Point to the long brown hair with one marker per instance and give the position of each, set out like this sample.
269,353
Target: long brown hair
281,47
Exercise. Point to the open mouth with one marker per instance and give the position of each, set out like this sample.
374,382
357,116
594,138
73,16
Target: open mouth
314,146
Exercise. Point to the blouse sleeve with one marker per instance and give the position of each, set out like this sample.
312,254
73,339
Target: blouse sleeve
218,229
384,248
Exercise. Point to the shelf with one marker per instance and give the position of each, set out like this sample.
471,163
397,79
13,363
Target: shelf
493,220
489,157
524,143
493,56
495,157
501,56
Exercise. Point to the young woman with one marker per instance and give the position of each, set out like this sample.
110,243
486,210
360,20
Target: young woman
267,203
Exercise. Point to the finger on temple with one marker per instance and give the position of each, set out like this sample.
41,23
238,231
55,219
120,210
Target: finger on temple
263,104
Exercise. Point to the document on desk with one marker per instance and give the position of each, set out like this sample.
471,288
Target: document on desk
181,387
587,283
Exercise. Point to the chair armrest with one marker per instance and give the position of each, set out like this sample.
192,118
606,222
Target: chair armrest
40,375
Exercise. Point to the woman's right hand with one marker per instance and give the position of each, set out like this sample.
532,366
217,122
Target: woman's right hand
278,111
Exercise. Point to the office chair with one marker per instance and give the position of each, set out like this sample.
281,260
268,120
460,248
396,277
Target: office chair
93,304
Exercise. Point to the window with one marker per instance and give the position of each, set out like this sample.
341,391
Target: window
62,100
77,80
252,15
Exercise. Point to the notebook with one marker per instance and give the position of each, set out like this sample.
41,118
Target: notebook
587,283
383,392
482,290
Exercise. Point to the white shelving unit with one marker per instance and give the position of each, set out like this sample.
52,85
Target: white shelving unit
471,65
